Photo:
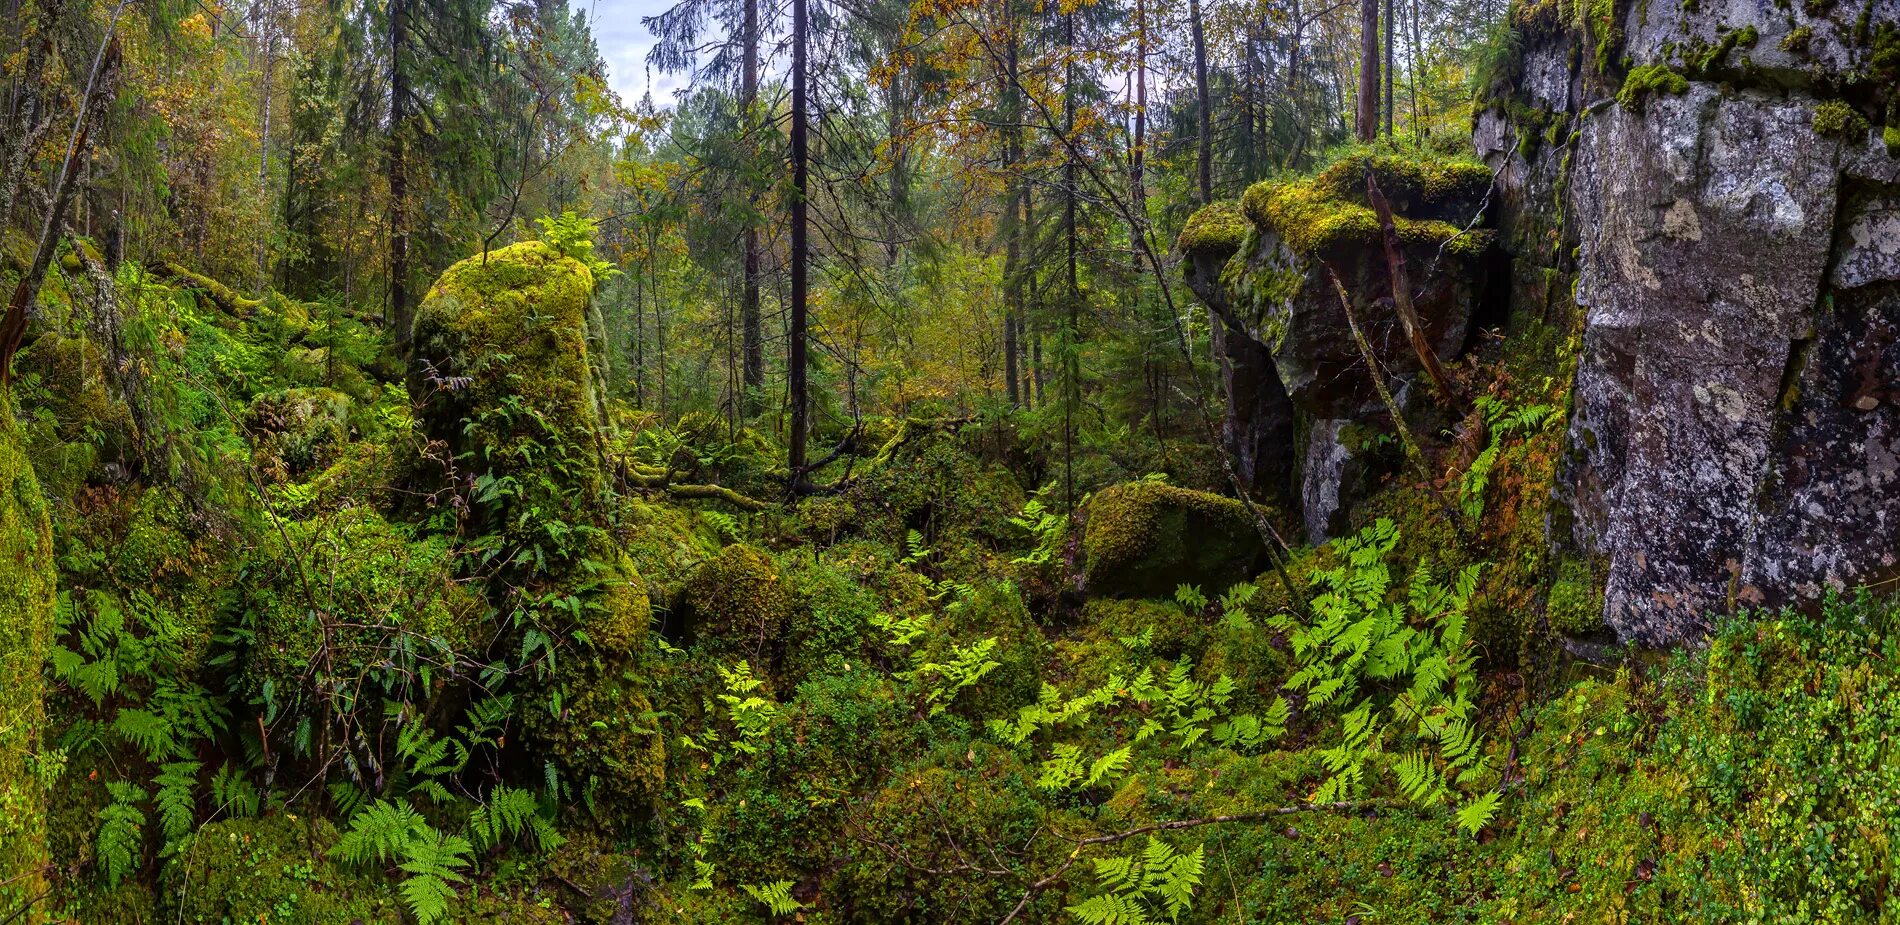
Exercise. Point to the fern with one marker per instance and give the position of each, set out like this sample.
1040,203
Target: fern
177,810
1144,889
379,833
233,794
777,896
433,862
121,835
510,813
1479,811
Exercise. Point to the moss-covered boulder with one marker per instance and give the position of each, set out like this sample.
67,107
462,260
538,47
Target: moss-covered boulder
1310,228
503,376
294,431
605,741
26,627
737,600
1145,538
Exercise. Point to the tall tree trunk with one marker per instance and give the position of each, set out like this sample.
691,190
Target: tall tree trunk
800,256
1014,224
399,313
1391,42
1138,148
1205,148
749,323
1411,77
1071,359
1366,113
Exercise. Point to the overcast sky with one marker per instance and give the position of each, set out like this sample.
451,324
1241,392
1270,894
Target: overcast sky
624,44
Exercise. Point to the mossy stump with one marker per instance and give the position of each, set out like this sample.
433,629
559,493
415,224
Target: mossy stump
502,372
1145,538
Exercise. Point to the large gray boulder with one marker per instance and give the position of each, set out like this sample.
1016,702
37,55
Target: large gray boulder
1736,218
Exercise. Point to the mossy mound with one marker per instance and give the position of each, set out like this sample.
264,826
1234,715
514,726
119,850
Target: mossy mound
736,601
1329,210
503,375
26,630
1145,538
272,869
1218,227
605,742
380,589
295,431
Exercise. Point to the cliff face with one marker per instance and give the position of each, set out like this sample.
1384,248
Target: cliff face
1735,216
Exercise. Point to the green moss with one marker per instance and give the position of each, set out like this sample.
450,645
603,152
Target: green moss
738,602
1890,136
605,741
1575,606
1648,80
273,869
295,431
1217,227
26,628
1838,119
1797,41
1144,538
1330,209
380,588
503,376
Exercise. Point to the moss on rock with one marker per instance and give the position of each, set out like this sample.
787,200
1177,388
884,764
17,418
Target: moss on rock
1649,80
1838,119
503,375
26,628
1328,210
1144,538
737,600
1216,227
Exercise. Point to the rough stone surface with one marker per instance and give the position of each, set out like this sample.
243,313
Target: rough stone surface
1257,421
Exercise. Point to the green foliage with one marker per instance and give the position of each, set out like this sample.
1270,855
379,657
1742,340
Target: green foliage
1839,119
1154,886
387,832
572,235
121,836
1384,650
777,897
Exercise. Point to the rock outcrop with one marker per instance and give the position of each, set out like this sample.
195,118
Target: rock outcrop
1734,439
1294,377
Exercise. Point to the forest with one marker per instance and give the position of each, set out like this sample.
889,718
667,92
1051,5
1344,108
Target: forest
1113,462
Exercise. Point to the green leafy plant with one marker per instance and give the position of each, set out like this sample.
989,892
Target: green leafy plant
387,832
121,834
1156,885
1401,660
777,897
572,235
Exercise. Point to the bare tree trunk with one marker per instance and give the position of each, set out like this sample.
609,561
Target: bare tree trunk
1391,42
31,119
1205,149
1367,108
1402,294
1014,225
800,255
398,167
1071,362
749,291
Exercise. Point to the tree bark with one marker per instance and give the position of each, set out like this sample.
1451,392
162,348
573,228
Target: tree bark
1367,108
399,313
749,323
1205,147
1391,42
800,256
1402,294
1014,223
